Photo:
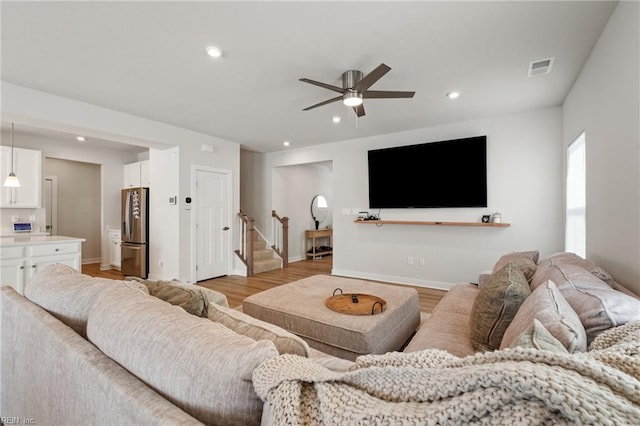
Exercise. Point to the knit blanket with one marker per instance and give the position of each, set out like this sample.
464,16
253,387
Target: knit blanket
517,386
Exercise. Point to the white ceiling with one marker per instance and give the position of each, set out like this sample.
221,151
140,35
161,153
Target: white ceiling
148,59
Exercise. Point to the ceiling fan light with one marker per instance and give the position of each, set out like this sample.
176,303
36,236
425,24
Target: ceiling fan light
352,99
12,181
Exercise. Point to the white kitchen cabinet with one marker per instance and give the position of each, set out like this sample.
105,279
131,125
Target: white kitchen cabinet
27,166
13,267
21,258
136,174
114,248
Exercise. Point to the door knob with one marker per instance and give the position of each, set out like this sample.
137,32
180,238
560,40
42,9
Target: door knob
226,228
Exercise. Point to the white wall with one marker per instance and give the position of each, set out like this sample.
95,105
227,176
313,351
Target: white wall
524,184
605,103
38,109
164,239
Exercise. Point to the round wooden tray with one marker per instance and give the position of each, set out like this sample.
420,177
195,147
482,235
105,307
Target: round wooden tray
367,304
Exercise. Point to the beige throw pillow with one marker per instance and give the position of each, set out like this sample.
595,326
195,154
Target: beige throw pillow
190,299
536,336
547,306
284,341
598,306
495,306
524,260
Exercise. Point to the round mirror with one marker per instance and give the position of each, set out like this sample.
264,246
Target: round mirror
319,209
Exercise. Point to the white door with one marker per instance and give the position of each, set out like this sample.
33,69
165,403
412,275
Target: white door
212,224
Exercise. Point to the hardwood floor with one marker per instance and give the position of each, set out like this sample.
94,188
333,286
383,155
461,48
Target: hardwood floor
237,288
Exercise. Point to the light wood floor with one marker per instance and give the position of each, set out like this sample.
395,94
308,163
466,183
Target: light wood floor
237,288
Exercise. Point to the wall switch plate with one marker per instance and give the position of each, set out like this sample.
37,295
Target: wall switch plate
346,210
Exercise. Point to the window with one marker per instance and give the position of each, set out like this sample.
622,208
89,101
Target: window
576,198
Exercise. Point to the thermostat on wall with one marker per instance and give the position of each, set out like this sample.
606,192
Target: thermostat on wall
22,227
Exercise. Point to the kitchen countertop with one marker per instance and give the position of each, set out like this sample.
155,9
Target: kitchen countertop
35,239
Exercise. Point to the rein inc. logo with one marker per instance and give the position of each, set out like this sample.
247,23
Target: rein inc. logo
17,420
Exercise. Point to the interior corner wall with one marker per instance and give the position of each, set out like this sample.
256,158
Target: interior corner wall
605,103
524,184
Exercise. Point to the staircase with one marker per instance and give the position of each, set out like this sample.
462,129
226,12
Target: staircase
263,256
255,253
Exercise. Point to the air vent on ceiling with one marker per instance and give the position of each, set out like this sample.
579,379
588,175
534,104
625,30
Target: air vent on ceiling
540,67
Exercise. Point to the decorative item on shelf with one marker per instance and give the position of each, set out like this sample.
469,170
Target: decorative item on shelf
12,180
496,218
486,218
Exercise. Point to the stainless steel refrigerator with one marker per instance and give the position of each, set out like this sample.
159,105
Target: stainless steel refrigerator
135,232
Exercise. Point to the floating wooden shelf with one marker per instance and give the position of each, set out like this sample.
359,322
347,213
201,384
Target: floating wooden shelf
410,222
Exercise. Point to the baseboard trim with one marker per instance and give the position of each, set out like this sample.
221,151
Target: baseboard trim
437,285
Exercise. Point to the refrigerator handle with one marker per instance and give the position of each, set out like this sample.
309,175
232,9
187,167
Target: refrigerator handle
126,224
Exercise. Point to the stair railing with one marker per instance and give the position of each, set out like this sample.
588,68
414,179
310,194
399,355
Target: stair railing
281,237
247,237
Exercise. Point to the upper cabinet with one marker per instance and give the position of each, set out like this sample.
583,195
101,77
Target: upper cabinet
27,166
136,174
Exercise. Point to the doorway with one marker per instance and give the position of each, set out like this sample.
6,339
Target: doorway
51,204
212,225
76,203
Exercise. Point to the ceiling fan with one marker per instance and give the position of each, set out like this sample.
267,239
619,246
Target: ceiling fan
355,88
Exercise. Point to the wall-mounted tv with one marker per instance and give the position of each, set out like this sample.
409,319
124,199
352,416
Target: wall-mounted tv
449,173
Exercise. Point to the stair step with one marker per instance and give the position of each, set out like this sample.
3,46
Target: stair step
262,254
265,265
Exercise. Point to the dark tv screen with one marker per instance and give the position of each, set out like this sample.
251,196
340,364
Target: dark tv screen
450,173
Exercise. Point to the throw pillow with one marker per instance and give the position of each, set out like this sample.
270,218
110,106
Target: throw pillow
547,306
536,336
566,258
598,306
284,341
495,306
524,260
188,299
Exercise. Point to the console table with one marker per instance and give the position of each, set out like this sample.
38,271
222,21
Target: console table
312,235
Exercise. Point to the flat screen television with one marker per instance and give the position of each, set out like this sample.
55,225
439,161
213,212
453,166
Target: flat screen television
450,173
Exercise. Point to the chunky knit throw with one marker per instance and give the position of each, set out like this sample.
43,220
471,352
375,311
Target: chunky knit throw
518,386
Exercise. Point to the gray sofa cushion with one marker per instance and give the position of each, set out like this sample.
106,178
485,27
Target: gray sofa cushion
447,328
54,376
199,365
495,307
241,323
68,295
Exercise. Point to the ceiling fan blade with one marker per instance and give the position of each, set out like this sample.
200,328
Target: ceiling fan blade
337,98
387,94
359,110
324,85
368,80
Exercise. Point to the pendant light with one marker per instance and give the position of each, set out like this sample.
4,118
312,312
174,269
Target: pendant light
12,180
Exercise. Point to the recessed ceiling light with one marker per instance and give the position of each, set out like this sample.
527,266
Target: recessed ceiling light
81,138
336,119
453,95
214,51
286,143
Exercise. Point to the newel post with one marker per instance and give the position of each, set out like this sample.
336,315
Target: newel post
285,242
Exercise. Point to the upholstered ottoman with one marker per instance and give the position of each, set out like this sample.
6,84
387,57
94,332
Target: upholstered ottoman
299,307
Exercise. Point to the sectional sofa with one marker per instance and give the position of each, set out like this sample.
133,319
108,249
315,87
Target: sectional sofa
82,350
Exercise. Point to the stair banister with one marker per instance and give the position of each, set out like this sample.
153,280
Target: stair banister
247,231
281,239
